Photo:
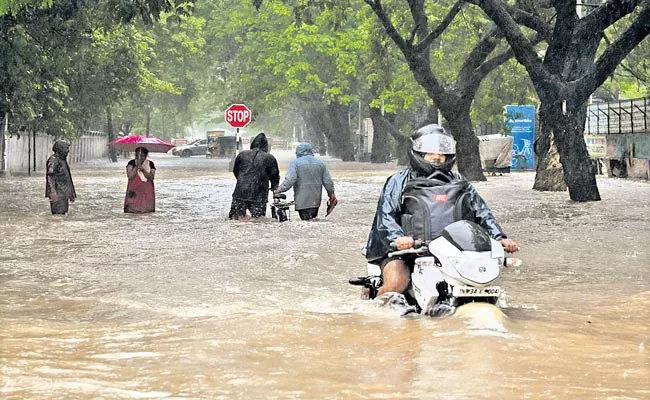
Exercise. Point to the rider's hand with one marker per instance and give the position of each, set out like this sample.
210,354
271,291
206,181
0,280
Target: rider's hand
509,245
404,242
333,197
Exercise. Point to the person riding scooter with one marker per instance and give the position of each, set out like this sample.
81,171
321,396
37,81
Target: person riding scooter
419,201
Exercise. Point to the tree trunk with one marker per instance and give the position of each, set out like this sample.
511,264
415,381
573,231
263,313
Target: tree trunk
400,140
380,139
402,151
148,121
332,121
566,130
112,153
549,176
468,158
317,140
339,134
401,147
432,115
579,173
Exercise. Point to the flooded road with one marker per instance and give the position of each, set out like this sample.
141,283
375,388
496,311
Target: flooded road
184,304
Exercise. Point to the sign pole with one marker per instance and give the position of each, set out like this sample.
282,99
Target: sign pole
237,146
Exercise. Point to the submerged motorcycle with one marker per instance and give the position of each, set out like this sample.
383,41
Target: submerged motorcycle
460,266
280,207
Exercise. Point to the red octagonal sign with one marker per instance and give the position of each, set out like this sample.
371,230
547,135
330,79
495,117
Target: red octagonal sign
238,115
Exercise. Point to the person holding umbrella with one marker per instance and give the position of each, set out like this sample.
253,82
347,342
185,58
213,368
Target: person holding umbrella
140,191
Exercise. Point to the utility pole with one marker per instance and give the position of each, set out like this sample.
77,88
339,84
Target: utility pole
29,151
361,143
3,143
34,150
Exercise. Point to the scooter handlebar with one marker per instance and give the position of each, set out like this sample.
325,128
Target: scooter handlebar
419,246
417,243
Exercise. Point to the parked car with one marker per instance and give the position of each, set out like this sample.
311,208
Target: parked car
196,148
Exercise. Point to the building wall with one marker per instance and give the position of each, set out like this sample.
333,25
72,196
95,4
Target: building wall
621,130
639,168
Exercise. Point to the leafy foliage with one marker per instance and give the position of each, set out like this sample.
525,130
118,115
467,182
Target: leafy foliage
67,60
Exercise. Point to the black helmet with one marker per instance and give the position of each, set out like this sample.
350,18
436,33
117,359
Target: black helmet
431,139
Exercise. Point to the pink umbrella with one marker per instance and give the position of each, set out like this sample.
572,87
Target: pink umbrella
129,144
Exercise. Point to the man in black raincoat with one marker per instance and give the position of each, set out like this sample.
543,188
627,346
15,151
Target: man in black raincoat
58,180
254,169
432,153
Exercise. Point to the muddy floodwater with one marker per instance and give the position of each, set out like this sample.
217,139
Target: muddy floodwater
184,304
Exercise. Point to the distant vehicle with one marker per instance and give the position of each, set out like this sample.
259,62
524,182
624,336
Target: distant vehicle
180,142
196,148
221,147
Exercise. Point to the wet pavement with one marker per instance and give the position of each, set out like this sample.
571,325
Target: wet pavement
184,304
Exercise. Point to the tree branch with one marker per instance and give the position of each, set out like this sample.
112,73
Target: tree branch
588,32
434,34
635,74
528,17
532,21
419,19
615,53
560,45
524,51
376,6
480,52
490,65
607,14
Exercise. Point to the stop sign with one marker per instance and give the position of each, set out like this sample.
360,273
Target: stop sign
238,115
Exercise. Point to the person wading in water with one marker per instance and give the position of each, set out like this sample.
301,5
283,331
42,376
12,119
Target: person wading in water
140,190
58,181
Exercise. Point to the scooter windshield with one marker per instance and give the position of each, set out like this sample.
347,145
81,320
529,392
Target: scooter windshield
467,236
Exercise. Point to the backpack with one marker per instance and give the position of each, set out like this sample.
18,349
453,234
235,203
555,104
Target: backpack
430,204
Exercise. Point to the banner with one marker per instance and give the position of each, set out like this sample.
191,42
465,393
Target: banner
520,120
596,145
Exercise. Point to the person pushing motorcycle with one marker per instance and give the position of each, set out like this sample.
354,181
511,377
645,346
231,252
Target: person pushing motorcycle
419,201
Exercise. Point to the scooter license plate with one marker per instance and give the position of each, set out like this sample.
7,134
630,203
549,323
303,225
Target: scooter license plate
488,291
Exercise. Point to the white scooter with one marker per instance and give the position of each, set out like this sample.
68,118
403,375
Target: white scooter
460,266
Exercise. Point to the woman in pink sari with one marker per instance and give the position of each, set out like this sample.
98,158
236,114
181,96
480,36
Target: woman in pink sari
140,191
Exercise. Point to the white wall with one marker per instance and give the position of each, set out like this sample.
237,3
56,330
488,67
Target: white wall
89,146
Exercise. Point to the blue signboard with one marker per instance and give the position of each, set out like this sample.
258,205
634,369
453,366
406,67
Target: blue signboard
521,122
